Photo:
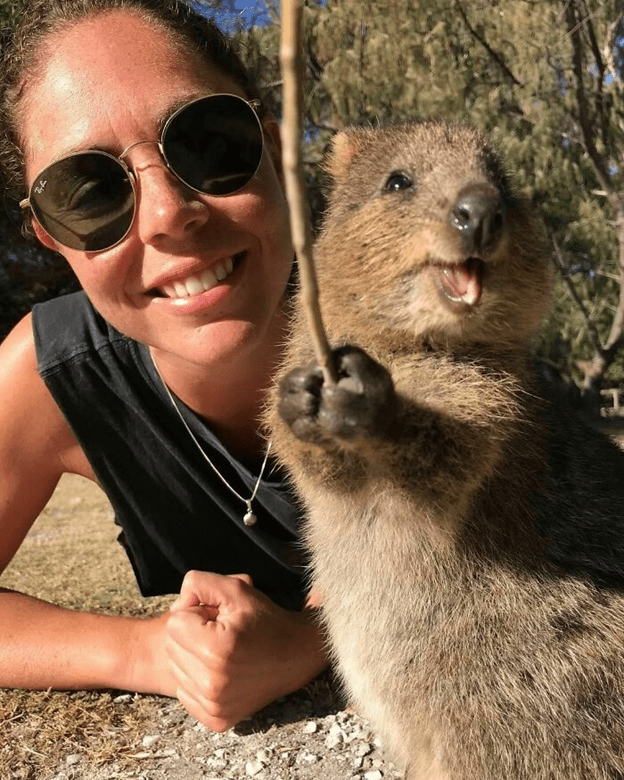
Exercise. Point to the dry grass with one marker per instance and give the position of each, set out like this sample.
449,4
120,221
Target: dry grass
71,557
38,731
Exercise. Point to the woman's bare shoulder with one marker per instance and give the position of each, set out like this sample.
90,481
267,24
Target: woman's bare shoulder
36,443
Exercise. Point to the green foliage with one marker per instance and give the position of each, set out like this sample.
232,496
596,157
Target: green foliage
9,9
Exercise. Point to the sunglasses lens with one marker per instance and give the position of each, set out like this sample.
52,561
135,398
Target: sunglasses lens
214,144
84,201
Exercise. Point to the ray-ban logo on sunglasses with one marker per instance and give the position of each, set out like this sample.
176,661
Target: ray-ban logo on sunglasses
41,187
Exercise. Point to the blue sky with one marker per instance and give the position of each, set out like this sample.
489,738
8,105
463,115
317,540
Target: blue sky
233,11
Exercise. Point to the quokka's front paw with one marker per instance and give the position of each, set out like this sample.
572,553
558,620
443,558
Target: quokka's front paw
361,404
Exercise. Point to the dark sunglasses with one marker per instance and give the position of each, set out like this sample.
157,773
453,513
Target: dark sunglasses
87,200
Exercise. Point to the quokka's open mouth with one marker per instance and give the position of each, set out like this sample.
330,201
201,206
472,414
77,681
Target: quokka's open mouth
460,284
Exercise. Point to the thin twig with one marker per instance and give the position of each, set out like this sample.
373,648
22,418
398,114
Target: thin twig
292,127
494,55
592,333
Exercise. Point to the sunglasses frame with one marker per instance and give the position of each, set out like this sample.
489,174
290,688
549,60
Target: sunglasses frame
27,203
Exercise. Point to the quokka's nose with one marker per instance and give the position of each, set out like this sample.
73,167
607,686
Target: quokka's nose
478,216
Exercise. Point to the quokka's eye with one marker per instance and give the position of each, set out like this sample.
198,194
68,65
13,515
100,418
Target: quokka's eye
398,181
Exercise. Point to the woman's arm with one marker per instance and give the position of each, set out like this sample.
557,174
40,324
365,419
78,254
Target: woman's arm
223,663
42,645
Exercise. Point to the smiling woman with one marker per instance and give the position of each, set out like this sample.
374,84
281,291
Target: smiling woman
141,152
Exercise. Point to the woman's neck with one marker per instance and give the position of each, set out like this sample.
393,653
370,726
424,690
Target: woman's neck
230,397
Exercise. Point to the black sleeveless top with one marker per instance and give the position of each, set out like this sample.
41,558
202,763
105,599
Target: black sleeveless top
175,514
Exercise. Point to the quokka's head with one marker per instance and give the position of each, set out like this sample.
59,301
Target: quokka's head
425,237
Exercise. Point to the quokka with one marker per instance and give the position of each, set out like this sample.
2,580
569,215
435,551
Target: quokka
466,534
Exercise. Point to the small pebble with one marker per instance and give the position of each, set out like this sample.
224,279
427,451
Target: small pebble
304,757
149,740
254,767
73,759
217,764
374,775
310,727
333,740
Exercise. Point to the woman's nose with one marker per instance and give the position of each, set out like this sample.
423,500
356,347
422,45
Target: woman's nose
166,208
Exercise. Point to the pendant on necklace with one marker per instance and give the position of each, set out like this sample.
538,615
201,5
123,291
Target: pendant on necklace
249,518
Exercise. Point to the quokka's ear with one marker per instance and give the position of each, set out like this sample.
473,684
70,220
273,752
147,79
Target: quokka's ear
345,146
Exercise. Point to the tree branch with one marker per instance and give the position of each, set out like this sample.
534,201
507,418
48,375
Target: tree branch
591,328
494,55
585,118
599,98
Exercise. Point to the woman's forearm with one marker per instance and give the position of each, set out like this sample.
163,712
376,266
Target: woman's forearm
233,658
46,646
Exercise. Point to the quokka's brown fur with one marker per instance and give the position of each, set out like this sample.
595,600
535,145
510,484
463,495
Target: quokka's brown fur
467,537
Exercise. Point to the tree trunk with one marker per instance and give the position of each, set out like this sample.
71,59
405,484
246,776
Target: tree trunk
595,368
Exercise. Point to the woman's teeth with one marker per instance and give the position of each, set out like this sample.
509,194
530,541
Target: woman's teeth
199,284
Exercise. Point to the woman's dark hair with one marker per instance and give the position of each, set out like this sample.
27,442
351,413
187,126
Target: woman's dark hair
23,45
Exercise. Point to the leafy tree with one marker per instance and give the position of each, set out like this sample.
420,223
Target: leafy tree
9,9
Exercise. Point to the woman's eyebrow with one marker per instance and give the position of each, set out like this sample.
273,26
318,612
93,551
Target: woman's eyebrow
177,105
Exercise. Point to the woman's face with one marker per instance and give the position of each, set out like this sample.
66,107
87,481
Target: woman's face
109,82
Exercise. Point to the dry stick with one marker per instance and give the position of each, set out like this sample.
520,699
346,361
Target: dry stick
290,58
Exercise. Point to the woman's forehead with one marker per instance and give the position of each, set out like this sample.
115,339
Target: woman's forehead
107,79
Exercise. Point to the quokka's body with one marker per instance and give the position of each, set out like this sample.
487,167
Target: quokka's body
467,537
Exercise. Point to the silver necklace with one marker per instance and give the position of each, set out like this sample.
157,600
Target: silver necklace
249,518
